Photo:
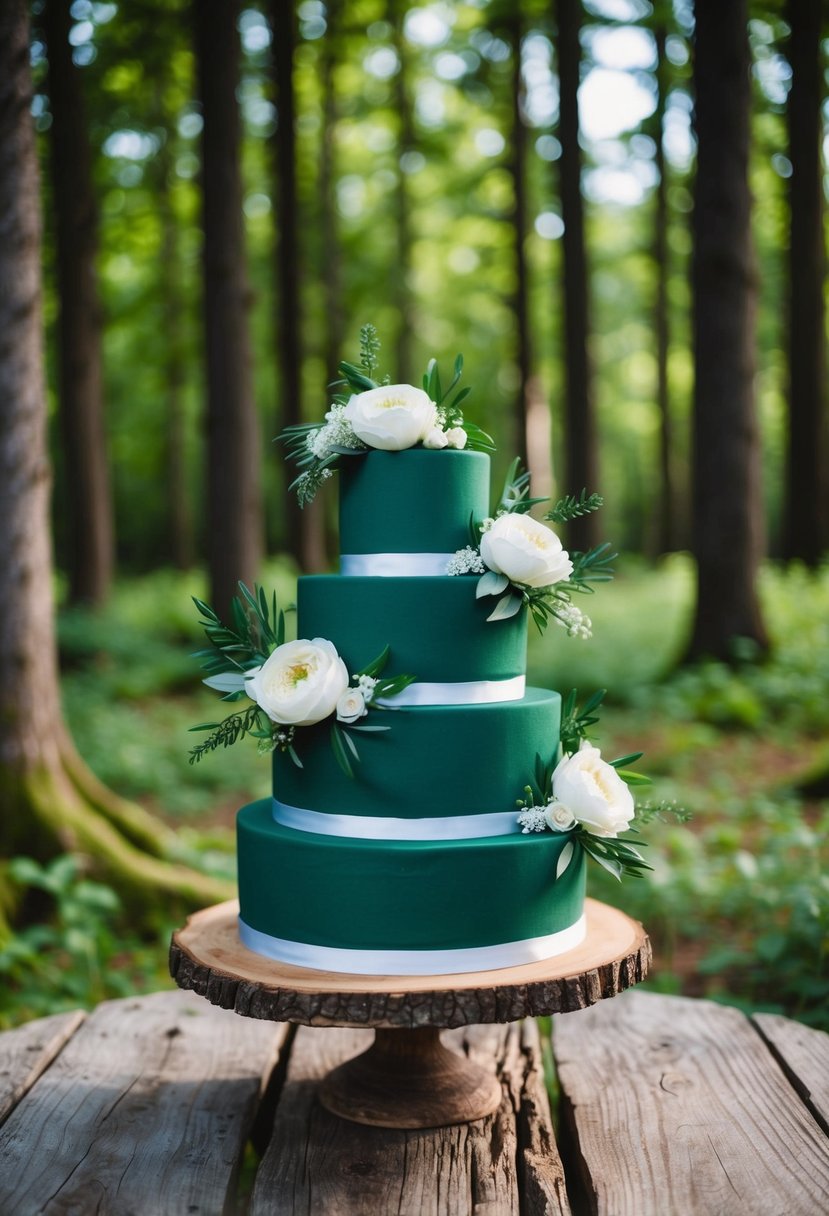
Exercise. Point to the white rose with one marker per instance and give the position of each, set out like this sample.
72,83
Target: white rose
300,683
526,551
559,817
436,439
392,417
457,437
594,792
351,706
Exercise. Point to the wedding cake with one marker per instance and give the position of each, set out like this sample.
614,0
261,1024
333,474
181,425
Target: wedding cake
397,841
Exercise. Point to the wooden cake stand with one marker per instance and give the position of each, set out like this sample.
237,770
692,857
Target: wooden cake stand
407,1078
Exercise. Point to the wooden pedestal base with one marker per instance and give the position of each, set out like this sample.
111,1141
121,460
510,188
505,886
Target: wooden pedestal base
408,1079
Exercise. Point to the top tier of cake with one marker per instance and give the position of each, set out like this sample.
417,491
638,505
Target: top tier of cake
410,502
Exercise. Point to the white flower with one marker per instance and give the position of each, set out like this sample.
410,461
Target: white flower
576,622
465,561
336,431
351,706
526,551
366,685
436,439
300,683
392,417
594,792
532,820
559,818
457,437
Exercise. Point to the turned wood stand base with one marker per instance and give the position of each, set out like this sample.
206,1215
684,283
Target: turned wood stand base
407,1078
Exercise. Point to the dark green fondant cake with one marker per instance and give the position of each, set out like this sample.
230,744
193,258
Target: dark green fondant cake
416,863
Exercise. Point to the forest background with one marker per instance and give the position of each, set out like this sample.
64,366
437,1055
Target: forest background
616,211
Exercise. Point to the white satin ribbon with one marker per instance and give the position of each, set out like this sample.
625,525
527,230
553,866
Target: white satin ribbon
394,565
462,692
413,962
369,827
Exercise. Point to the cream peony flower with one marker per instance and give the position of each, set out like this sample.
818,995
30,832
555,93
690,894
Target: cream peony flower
300,683
594,792
392,417
436,439
457,437
526,551
351,706
559,818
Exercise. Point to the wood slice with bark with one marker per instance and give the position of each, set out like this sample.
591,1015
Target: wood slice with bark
207,957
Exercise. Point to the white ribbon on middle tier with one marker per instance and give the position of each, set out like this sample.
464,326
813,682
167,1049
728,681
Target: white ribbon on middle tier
369,827
394,565
461,692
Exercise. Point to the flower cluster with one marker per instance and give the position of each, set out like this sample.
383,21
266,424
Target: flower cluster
466,561
336,432
291,684
576,622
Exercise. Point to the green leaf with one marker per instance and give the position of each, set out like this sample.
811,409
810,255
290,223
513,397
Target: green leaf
376,665
340,753
565,857
631,759
506,607
631,778
294,757
352,746
490,584
367,728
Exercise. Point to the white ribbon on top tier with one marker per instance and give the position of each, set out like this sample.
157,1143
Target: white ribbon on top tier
373,827
394,565
414,962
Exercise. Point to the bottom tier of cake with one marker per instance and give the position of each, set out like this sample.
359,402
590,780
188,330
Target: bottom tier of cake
404,907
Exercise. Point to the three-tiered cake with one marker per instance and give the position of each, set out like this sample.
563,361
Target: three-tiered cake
417,864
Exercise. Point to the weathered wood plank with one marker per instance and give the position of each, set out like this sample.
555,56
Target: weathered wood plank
28,1051
676,1105
804,1056
319,1164
147,1109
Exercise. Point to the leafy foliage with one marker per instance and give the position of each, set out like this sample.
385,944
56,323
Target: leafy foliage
576,720
572,506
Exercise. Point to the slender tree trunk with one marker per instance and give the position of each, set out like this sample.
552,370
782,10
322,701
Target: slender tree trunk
727,508
175,366
331,268
806,509
521,296
50,800
579,412
665,529
403,256
88,498
300,527
234,512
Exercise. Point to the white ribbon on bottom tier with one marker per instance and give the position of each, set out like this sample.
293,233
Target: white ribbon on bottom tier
394,565
369,827
413,962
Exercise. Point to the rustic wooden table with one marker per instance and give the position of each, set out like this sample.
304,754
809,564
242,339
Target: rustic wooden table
668,1107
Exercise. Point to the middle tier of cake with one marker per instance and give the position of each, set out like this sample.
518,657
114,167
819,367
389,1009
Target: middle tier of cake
434,763
435,628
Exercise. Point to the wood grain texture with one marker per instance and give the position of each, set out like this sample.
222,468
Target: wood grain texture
677,1106
207,957
803,1055
146,1110
28,1051
319,1164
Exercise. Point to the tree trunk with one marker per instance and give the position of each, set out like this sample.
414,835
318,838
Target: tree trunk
403,255
579,414
179,514
806,534
518,173
727,508
330,271
234,507
665,532
88,502
50,799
